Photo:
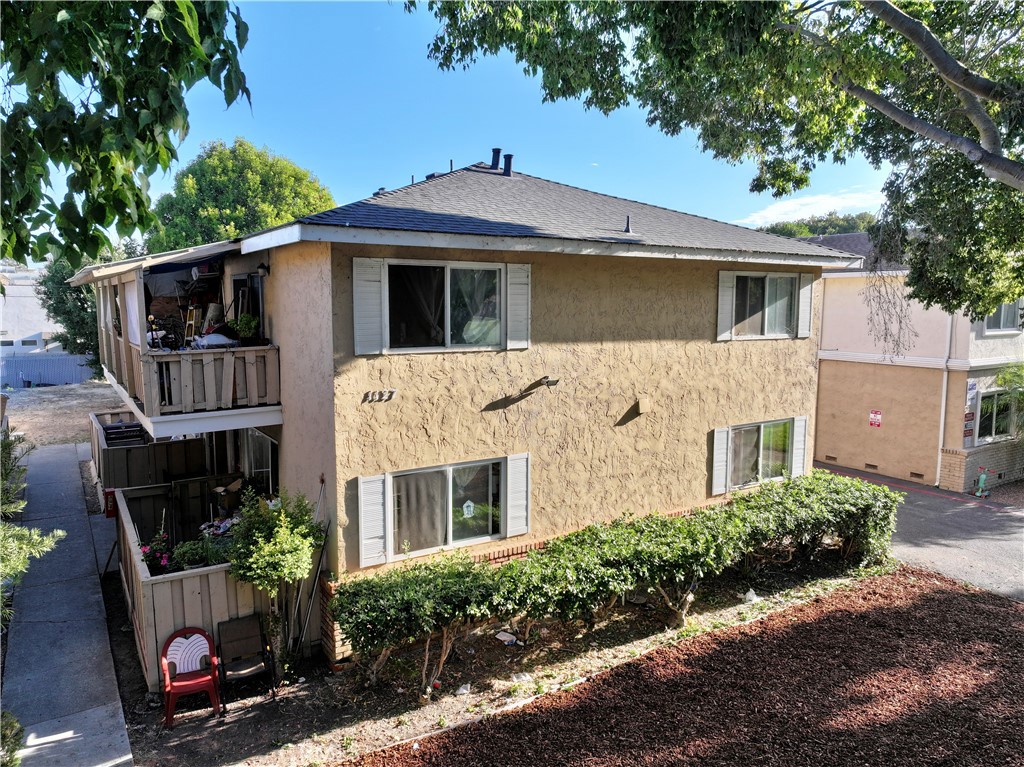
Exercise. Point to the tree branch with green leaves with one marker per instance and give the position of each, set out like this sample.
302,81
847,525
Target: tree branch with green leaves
96,91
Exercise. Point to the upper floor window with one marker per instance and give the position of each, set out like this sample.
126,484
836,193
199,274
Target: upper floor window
442,306
424,306
1006,318
764,305
995,416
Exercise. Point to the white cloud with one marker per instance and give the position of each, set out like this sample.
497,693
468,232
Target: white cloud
843,201
594,165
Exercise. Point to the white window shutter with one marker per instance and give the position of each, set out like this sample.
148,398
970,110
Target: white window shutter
517,495
518,303
368,305
806,306
720,462
726,307
799,446
372,522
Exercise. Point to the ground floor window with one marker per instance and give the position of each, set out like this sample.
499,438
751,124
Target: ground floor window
751,453
408,513
446,506
995,416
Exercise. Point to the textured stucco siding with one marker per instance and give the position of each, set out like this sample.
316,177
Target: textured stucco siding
297,300
909,399
612,330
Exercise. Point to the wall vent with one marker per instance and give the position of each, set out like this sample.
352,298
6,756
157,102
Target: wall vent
830,458
916,475
872,466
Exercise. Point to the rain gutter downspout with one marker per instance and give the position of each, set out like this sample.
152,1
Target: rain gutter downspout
942,407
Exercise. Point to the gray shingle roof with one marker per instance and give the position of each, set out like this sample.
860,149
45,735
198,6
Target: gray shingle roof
477,200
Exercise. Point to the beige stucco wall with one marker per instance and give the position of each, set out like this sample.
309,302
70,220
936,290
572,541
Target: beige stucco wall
611,330
909,398
845,325
298,300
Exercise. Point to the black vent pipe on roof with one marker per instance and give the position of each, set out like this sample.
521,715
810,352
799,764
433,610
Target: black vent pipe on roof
495,157
507,170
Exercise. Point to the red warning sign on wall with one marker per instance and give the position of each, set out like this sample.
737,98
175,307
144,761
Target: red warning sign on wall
875,419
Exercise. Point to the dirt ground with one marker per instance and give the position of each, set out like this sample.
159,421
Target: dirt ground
52,415
907,669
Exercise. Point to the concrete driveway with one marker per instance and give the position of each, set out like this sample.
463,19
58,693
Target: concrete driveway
974,540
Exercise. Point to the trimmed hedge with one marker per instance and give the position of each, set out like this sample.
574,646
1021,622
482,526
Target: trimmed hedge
578,576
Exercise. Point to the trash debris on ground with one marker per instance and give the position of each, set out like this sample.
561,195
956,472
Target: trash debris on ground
505,638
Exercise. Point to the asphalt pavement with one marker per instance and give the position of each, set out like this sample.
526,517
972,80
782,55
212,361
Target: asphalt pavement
974,540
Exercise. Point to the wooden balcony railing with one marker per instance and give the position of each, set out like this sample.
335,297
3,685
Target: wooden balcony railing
210,379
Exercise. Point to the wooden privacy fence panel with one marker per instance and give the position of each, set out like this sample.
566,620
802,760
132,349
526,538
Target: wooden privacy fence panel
213,379
153,463
160,605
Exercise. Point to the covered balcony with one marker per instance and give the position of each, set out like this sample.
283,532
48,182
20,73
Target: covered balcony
170,340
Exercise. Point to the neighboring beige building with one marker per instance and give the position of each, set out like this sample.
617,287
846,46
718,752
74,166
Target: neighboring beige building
933,414
485,360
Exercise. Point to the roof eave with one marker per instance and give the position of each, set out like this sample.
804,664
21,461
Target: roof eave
106,271
299,232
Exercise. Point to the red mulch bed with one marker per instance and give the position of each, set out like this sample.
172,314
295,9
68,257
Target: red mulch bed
905,669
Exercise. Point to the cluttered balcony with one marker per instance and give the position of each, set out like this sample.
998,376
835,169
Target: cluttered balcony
184,339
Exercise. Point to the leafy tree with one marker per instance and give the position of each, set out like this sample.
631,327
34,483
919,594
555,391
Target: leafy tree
74,308
830,223
934,88
97,90
230,191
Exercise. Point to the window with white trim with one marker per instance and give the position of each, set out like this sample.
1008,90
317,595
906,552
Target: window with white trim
258,458
764,305
995,416
424,306
752,453
420,511
1005,319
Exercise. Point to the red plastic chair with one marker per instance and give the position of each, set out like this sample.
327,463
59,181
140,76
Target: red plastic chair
187,649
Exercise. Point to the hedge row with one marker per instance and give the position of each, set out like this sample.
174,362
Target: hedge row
578,576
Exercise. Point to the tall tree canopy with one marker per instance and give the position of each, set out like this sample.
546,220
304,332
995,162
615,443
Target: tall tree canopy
230,191
935,88
97,89
74,308
830,223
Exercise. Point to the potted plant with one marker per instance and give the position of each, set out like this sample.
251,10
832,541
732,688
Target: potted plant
190,554
246,325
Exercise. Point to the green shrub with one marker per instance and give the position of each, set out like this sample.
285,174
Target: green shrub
11,736
577,576
189,553
273,541
382,612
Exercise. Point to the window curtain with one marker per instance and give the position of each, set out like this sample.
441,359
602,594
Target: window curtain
421,519
131,300
474,297
426,290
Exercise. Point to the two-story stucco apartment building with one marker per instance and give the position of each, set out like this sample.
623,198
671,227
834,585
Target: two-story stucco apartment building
485,359
933,413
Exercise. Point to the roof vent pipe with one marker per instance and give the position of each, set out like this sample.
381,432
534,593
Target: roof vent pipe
495,157
507,170
627,230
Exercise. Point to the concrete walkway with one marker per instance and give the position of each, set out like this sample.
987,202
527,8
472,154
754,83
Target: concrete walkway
59,675
974,540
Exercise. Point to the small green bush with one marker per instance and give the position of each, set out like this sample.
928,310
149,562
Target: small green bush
11,736
273,541
189,553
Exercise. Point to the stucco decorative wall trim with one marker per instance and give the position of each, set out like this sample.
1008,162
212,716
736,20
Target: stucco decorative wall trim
988,362
398,238
882,359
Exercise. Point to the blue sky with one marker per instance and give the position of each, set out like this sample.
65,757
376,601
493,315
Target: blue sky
346,91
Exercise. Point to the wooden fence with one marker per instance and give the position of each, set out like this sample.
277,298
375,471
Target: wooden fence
153,463
159,605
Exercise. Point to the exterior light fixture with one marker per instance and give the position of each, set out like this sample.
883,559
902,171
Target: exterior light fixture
263,270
